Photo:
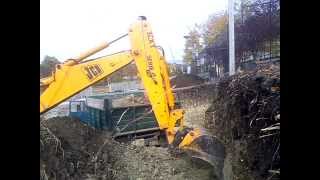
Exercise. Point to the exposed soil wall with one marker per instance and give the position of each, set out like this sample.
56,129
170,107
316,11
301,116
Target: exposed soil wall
245,115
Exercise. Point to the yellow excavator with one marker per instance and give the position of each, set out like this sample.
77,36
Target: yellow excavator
77,74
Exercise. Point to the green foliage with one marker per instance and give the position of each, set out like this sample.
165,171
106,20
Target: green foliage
204,34
215,25
192,44
48,65
257,30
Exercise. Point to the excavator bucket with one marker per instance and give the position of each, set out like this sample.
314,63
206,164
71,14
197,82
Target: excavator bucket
199,144
209,149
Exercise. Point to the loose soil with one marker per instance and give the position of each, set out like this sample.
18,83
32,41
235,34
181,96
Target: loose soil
72,150
185,80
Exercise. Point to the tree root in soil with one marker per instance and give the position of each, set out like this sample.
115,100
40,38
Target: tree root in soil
245,115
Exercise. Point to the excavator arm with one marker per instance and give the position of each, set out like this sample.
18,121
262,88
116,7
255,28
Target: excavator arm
74,75
68,80
154,75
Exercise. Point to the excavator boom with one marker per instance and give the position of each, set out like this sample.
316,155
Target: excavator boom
68,80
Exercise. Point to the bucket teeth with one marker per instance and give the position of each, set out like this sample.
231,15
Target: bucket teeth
179,136
205,147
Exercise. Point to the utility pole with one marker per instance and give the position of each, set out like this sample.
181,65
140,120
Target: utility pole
231,38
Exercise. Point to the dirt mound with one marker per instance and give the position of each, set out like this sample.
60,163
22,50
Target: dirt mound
185,80
245,115
144,163
72,150
68,148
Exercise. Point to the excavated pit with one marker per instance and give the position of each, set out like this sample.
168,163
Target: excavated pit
70,149
243,111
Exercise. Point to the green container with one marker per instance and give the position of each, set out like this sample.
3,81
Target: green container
133,118
124,119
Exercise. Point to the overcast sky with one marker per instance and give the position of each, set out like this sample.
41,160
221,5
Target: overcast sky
69,27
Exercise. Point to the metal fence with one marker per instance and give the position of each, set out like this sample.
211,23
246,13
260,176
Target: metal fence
260,19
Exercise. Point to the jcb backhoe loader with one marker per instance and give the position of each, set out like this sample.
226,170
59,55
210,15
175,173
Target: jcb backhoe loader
77,74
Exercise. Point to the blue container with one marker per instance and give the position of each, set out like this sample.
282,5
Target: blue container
97,111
